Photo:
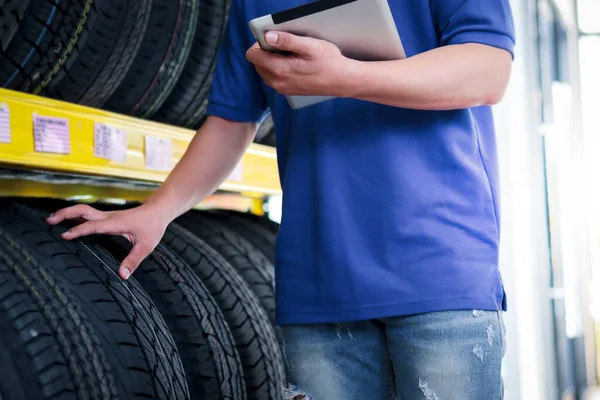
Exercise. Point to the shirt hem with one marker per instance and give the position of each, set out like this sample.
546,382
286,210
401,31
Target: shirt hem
498,40
234,114
389,310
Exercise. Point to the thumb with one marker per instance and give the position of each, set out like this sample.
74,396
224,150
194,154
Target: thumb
133,260
291,43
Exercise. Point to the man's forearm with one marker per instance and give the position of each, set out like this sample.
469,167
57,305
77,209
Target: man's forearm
450,77
210,158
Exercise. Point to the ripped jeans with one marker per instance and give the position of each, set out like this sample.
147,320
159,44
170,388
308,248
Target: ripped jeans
454,355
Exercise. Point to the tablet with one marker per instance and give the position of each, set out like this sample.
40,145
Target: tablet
363,30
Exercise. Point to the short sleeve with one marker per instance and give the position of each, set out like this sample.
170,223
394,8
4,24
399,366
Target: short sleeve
236,92
487,22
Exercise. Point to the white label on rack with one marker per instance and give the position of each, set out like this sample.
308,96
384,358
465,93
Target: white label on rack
4,123
51,135
237,175
110,143
159,153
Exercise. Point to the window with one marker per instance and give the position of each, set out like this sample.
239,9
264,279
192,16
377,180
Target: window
589,15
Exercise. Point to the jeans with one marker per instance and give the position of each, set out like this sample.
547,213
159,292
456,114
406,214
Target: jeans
454,355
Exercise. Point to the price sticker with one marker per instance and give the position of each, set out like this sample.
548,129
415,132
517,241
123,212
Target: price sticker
4,123
110,143
237,175
51,135
159,153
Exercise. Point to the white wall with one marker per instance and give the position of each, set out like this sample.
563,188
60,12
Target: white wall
590,65
525,267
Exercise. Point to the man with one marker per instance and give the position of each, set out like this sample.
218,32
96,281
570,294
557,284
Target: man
387,257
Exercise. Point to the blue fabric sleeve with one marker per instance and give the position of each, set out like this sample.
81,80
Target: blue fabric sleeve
487,22
236,93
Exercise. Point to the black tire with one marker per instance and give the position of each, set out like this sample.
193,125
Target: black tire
48,348
186,105
160,60
19,379
11,15
131,331
205,342
48,36
256,234
250,263
97,66
263,221
254,336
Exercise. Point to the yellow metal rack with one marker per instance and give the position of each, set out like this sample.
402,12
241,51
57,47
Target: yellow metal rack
50,148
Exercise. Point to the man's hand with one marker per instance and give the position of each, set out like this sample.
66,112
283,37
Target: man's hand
446,78
211,156
313,68
142,226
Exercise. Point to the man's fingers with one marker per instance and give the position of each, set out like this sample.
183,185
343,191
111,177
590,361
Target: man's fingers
137,254
90,228
253,53
79,211
301,45
259,57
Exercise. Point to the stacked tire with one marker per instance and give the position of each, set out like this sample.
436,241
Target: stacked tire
151,59
194,322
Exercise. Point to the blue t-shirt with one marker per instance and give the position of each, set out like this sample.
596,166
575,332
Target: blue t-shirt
386,211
